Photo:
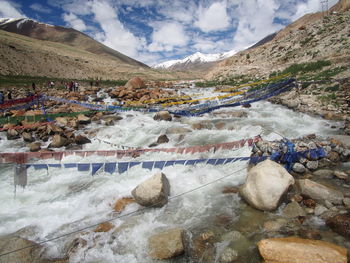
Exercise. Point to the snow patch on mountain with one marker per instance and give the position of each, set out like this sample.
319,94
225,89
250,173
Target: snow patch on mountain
197,57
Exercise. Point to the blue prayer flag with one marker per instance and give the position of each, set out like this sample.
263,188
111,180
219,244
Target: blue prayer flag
123,167
110,167
95,167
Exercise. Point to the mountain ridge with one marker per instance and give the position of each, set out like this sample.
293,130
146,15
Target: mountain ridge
60,34
193,60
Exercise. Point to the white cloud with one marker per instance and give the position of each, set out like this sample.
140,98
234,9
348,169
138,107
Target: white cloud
310,6
254,24
73,21
166,36
114,34
40,8
214,18
9,10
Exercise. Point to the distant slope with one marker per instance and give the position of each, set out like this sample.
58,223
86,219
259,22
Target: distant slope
197,62
22,55
69,36
313,37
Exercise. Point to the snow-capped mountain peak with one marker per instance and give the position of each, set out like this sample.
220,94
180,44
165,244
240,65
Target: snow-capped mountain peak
197,57
18,21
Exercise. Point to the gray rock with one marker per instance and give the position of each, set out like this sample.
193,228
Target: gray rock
319,191
152,192
312,165
346,202
298,168
312,145
293,209
320,209
167,244
324,173
341,175
265,185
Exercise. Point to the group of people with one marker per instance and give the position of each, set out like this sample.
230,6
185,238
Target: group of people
2,96
72,86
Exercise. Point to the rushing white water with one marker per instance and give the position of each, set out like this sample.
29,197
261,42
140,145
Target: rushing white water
63,200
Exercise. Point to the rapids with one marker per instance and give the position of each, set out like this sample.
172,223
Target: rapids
59,201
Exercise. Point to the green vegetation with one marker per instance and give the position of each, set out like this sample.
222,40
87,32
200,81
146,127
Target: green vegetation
22,81
232,81
332,88
327,98
306,40
306,67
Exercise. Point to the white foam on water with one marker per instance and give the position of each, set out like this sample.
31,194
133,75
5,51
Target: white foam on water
64,200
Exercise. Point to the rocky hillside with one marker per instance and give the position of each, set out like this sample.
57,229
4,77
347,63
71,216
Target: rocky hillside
314,37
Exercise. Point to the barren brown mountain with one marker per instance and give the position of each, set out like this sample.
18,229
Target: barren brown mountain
35,49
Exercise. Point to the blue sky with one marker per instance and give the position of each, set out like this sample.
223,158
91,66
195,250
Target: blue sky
154,31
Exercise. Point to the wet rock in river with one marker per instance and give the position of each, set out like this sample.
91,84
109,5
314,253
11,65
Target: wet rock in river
104,227
162,116
319,191
298,250
27,137
265,185
13,242
167,244
340,224
162,139
34,146
293,209
58,141
120,205
152,192
80,139
12,134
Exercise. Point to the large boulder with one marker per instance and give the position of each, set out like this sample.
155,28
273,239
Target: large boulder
298,250
58,141
319,191
167,244
340,224
152,192
162,116
135,83
265,185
